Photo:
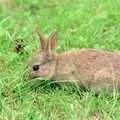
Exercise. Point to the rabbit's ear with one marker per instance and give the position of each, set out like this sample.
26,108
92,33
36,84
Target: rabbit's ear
41,39
52,40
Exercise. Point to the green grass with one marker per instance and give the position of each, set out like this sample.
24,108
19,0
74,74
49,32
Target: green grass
81,24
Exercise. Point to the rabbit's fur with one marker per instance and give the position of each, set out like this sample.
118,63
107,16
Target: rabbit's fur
94,69
5,2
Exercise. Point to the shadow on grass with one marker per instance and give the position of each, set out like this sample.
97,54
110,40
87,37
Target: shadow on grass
50,87
47,87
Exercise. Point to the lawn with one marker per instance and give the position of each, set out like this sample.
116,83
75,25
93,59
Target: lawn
80,24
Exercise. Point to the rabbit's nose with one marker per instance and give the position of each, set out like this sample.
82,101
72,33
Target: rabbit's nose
35,67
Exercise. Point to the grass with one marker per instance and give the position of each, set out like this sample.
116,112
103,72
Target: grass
81,24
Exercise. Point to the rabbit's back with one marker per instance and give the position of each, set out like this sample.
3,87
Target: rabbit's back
93,68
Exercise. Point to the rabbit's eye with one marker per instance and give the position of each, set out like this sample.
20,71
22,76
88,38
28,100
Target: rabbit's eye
35,67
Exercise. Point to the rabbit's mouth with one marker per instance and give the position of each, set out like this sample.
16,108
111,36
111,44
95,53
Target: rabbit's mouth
39,74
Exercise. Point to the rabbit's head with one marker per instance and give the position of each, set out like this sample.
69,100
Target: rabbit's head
43,63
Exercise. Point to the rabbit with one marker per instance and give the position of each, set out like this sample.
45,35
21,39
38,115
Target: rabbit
95,69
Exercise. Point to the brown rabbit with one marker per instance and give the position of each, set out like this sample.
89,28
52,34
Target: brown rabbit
92,68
